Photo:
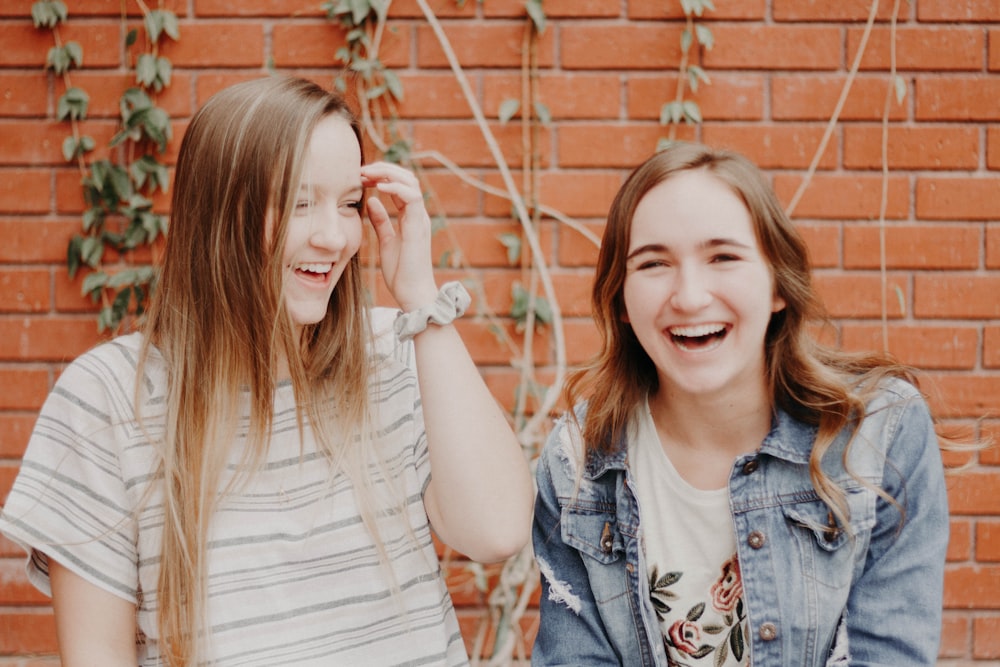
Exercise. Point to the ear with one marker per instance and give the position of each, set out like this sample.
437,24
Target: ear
777,304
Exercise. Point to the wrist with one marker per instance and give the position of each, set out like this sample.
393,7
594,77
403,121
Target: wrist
451,302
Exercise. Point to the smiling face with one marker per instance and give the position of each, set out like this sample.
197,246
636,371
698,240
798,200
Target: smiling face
324,231
698,293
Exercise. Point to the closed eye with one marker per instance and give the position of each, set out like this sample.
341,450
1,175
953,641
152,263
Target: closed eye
303,204
356,205
725,257
651,264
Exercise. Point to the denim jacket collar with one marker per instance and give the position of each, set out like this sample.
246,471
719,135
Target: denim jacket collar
788,439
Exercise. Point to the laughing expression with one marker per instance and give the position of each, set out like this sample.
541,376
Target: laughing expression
698,292
324,231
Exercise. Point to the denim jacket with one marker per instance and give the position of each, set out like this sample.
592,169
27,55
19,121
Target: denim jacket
816,595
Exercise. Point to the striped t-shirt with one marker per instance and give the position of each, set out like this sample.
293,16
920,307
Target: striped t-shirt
294,577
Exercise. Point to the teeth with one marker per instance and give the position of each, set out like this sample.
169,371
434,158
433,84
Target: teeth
313,268
696,330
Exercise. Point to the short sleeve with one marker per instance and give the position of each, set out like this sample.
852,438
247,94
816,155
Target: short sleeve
69,500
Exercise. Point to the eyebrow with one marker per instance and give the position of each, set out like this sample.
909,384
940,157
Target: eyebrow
708,244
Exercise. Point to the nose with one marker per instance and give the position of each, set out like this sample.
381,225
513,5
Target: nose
327,230
690,291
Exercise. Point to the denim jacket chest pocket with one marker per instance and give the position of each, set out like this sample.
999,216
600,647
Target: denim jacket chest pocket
593,530
830,554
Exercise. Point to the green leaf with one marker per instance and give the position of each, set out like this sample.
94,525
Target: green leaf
93,283
536,14
508,108
671,112
543,114
900,85
131,37
73,104
47,14
359,11
75,53
394,85
696,76
513,244
145,69
685,39
91,251
692,112
92,217
73,255
160,21
73,148
705,37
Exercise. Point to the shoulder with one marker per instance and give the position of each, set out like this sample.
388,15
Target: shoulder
564,452
112,364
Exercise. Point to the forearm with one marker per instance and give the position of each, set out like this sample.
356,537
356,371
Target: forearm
480,495
94,627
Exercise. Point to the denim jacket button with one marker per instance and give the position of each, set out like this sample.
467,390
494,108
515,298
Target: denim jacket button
756,539
768,631
750,467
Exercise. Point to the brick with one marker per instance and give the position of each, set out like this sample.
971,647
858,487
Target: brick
955,630
36,143
971,587
988,541
464,143
614,46
919,48
67,293
824,243
573,291
576,249
992,246
477,243
24,290
911,246
78,8
960,540
578,193
279,8
940,347
993,147
493,45
949,10
316,44
991,347
858,295
24,46
462,198
105,91
583,340
958,198
14,586
27,632
570,95
441,9
814,97
959,395
785,146
601,145
956,296
727,97
24,191
781,47
993,39
811,10
15,428
986,637
35,240
23,388
46,339
23,95
486,347
217,44
912,147
554,9
853,197
657,9
432,96
990,434
964,97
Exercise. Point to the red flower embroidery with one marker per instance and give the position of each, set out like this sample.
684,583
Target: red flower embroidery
685,636
729,587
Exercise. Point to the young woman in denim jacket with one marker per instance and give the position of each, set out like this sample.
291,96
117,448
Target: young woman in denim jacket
731,492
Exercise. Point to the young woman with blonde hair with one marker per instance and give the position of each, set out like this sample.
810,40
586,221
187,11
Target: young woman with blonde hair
252,478
728,491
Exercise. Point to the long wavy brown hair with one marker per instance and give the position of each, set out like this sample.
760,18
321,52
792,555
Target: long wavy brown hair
219,322
813,383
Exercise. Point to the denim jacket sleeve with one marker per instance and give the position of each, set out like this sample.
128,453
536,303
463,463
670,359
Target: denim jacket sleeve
571,631
894,608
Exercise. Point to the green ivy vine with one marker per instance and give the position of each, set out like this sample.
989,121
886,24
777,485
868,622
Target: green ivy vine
117,191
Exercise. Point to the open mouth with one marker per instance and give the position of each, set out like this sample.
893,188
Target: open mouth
698,337
313,272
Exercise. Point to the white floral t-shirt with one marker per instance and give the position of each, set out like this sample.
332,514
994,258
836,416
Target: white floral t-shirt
690,551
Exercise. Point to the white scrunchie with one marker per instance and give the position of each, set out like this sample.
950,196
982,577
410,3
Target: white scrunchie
451,302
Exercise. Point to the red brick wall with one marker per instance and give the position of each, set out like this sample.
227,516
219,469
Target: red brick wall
607,67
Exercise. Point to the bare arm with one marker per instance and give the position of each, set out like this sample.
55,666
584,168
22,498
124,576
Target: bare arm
95,628
480,495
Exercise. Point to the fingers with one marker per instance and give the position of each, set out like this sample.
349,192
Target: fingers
380,220
392,180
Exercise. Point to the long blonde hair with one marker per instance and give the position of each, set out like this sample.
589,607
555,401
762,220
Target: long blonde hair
218,320
813,383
